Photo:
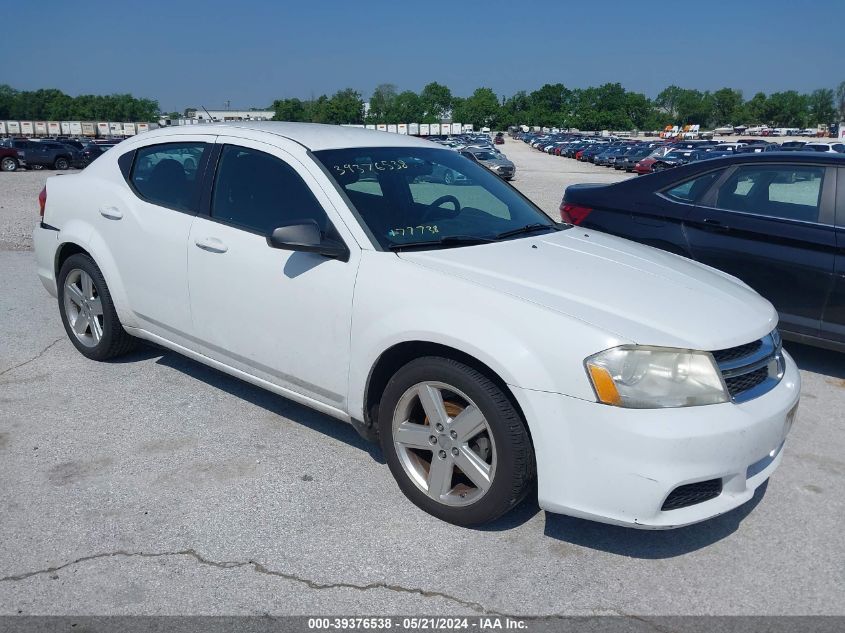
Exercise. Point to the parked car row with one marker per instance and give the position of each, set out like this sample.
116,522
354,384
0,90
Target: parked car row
648,156
61,154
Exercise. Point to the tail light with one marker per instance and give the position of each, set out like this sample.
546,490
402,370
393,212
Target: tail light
42,202
574,213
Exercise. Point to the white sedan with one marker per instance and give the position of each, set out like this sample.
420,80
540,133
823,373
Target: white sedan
482,344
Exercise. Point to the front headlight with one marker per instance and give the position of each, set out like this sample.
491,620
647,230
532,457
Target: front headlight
639,377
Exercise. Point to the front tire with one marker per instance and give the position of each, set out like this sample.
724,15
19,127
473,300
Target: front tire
8,164
88,312
61,163
454,442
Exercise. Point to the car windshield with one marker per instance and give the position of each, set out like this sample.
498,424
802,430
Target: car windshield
428,197
485,155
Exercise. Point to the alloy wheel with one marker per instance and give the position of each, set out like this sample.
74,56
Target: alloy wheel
444,443
83,307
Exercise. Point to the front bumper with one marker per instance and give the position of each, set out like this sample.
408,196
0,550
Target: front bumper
619,465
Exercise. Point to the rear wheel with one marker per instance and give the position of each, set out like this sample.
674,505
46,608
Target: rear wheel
8,164
88,312
454,442
61,163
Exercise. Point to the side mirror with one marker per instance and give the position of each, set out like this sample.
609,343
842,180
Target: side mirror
305,236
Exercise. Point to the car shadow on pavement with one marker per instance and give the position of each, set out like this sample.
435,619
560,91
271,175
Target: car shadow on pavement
817,359
259,397
649,544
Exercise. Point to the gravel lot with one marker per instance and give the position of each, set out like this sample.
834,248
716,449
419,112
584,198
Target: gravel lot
155,485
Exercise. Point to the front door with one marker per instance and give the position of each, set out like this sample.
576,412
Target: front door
282,316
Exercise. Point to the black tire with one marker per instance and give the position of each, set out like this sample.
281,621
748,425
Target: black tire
515,463
114,341
61,163
8,164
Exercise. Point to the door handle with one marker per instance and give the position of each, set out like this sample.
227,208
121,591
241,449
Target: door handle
111,213
714,225
212,245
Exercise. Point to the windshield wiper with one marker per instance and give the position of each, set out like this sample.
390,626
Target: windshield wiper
529,228
447,240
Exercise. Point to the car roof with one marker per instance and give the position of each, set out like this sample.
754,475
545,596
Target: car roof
314,136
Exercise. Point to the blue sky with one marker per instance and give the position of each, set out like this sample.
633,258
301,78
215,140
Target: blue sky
251,52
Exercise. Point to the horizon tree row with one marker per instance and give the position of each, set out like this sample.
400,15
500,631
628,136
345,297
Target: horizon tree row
608,106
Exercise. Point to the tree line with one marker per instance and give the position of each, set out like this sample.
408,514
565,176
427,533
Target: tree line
609,106
54,105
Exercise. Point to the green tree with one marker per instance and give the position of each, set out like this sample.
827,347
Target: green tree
407,107
289,110
436,101
480,109
345,106
381,102
786,109
667,100
551,104
820,107
755,110
515,109
727,106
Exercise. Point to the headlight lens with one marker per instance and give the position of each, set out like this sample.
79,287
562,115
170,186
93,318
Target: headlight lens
638,377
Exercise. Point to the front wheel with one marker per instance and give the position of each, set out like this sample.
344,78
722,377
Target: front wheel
454,442
87,311
61,163
8,164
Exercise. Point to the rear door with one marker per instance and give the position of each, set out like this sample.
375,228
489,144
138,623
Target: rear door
771,225
147,224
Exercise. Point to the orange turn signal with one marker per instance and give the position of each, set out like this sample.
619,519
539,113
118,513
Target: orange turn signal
603,384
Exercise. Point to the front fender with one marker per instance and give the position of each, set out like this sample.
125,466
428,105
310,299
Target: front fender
528,346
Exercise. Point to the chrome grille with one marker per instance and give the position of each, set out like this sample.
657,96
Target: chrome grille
752,369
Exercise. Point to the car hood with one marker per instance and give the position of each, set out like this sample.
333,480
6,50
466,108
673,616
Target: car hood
635,292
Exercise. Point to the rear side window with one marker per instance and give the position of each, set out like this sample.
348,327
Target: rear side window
259,192
776,191
168,174
692,191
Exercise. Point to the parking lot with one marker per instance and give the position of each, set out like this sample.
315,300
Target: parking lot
156,485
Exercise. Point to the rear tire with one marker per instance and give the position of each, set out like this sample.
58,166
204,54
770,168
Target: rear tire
88,312
464,470
8,164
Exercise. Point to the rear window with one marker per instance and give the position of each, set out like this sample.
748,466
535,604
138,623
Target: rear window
167,174
692,190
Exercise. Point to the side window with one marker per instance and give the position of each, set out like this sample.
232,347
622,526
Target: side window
691,191
776,191
167,174
259,192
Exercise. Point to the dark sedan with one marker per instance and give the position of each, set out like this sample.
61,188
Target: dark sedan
776,220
